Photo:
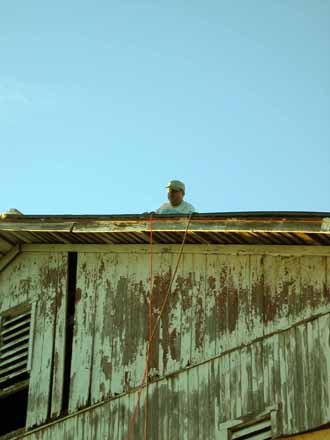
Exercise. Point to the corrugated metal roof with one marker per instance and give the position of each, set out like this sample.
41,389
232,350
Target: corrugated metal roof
271,228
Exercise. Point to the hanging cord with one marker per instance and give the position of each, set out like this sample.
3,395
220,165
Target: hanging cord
153,332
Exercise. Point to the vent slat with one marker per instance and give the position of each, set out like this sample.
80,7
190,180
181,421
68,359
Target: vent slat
12,367
10,376
14,347
12,343
257,431
11,328
22,355
9,321
5,354
10,336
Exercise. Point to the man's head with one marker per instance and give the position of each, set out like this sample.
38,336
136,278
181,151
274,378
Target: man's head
175,192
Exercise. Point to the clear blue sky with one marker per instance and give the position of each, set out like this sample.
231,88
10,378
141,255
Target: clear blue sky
101,103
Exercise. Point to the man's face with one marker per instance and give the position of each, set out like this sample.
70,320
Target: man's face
175,196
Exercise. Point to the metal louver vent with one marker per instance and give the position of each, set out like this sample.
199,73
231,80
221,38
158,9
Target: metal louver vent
14,347
260,430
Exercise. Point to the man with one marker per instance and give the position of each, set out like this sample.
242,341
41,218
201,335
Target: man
176,205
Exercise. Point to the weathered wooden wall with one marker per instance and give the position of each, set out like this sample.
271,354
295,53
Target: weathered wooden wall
218,303
258,325
41,278
289,371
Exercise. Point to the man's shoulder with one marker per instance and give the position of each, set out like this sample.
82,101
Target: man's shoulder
165,206
188,206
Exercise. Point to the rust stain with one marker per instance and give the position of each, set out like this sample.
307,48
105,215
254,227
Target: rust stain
58,298
211,281
161,285
56,361
221,303
126,379
48,277
199,334
185,287
101,268
173,337
25,286
102,389
232,305
77,295
106,366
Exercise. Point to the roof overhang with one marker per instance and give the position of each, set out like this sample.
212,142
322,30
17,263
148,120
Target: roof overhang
270,228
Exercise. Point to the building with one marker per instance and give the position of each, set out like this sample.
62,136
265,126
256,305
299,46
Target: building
240,349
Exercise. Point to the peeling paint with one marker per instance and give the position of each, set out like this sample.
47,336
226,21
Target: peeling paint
259,323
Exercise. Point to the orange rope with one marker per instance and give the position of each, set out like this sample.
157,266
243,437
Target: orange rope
152,331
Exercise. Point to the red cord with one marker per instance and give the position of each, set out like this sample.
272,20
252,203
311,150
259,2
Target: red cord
153,330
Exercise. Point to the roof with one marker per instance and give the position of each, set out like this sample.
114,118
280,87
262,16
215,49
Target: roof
270,228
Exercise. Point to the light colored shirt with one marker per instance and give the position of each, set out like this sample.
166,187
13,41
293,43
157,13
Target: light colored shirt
183,208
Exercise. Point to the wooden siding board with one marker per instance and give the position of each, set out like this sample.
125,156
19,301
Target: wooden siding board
182,380
20,281
217,396
221,299
205,420
164,410
246,319
282,382
278,386
34,384
211,403
313,285
314,361
247,381
225,410
101,371
209,315
267,350
235,385
114,420
174,416
153,411
324,329
43,345
82,351
126,416
233,291
198,308
187,281
257,377
292,402
276,293
292,286
103,431
194,408
119,278
88,424
139,299
60,342
303,380
171,317
121,334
